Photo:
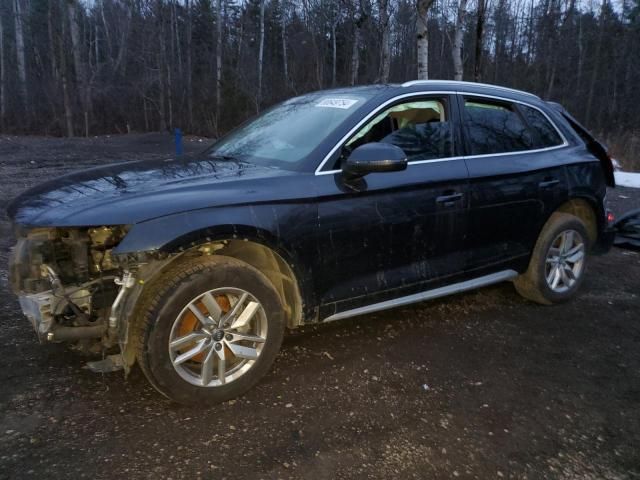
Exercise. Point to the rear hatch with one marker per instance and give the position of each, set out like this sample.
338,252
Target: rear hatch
598,149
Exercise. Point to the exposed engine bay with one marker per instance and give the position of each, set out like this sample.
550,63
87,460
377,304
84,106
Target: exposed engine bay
68,284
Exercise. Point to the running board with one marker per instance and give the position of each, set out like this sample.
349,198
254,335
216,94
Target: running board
428,295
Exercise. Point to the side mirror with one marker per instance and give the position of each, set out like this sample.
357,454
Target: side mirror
373,158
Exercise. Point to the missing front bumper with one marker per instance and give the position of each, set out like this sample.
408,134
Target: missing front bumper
42,308
37,308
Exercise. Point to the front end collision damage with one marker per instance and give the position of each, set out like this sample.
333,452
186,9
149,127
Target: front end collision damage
74,298
69,285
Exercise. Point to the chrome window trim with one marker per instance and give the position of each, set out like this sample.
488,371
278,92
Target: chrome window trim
380,107
459,287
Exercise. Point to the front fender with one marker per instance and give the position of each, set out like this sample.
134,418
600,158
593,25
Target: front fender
289,229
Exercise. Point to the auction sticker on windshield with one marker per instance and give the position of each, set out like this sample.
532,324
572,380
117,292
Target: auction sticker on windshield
343,103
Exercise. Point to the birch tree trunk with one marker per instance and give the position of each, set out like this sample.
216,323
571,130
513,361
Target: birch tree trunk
477,66
260,56
385,53
355,56
79,65
218,61
361,18
456,50
423,39
333,54
20,58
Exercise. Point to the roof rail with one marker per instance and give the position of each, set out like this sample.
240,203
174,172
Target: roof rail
474,84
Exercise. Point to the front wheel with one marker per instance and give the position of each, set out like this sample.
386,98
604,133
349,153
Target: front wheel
211,331
557,266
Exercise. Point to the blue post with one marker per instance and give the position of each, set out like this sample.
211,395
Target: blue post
178,138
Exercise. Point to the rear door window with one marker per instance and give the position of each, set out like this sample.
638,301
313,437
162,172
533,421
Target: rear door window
495,127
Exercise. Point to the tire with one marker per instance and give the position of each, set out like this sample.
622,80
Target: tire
166,314
534,284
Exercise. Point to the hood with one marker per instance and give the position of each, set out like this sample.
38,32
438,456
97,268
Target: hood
131,192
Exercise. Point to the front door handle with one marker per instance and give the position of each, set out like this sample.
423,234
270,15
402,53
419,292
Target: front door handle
550,182
449,200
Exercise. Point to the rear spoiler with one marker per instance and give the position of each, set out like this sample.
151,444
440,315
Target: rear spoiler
598,149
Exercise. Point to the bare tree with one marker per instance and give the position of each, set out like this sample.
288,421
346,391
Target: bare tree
20,56
283,39
189,68
334,53
152,64
596,62
423,38
52,45
3,79
456,49
79,66
260,55
361,16
219,60
477,65
64,75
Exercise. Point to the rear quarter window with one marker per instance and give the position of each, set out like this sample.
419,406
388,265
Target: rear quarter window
545,133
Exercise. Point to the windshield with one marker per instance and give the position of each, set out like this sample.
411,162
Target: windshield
285,135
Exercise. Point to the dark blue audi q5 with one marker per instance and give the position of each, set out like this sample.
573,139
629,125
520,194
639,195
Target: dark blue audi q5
329,205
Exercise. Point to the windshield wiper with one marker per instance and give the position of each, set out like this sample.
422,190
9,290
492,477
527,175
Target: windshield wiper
224,157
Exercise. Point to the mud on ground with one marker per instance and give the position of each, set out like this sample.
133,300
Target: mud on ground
481,385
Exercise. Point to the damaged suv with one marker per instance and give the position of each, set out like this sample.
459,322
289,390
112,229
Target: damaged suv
327,206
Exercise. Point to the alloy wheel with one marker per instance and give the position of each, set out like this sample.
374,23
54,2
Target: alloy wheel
217,337
565,261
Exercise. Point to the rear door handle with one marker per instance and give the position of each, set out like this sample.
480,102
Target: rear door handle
449,200
552,182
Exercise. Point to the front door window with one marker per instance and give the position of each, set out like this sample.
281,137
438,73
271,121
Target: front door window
421,128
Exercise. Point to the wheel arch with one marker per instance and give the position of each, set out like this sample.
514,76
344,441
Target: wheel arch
586,209
256,248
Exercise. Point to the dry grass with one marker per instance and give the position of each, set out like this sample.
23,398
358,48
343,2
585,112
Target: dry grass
625,147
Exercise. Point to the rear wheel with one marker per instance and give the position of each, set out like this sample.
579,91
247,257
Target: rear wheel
557,266
211,331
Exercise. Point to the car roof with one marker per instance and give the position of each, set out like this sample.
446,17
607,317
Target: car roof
392,90
468,87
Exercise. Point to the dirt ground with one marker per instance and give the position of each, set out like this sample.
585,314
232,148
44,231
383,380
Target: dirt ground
480,385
